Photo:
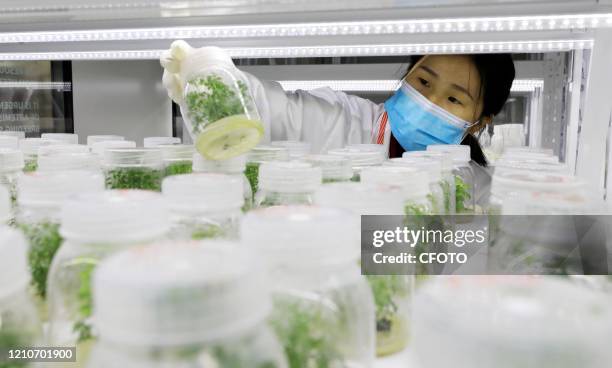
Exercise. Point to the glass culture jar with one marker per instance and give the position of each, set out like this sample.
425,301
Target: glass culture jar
9,142
361,156
286,183
392,293
65,138
6,210
234,167
204,205
41,195
11,166
152,142
98,149
94,226
323,312
296,149
218,108
30,148
178,158
259,155
447,179
67,160
532,150
183,305
465,180
19,327
510,322
532,165
92,139
333,168
133,168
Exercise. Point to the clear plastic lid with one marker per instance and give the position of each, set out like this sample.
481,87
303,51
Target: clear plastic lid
62,161
265,153
415,181
14,270
332,167
31,146
156,141
5,204
459,153
446,160
296,149
115,216
17,134
176,152
433,167
362,199
199,193
52,149
360,157
11,160
302,236
67,138
50,189
133,157
91,139
9,142
98,148
289,177
504,183
233,165
179,294
519,316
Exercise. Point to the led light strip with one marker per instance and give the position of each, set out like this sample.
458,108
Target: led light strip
385,85
325,51
61,86
451,25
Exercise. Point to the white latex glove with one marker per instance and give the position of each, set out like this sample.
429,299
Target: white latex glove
171,62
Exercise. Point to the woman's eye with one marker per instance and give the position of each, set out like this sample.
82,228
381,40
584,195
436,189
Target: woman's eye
453,100
424,82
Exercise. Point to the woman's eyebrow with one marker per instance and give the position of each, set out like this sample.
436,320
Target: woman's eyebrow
462,89
429,70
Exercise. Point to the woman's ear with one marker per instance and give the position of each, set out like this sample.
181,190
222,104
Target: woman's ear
482,123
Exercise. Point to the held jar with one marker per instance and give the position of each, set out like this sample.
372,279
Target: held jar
133,168
94,226
323,312
287,183
259,155
218,107
234,167
204,206
184,305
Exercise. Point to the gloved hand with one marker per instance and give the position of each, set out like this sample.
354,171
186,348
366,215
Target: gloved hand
171,62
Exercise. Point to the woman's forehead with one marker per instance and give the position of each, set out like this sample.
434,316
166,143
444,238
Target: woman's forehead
458,70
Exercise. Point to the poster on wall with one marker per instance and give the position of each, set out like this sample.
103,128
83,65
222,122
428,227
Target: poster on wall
32,99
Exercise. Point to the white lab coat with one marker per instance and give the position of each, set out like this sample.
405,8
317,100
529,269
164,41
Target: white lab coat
326,118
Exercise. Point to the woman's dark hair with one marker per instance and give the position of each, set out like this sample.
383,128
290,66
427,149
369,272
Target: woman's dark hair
496,73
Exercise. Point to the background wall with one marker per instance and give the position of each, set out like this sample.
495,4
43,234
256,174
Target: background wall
121,97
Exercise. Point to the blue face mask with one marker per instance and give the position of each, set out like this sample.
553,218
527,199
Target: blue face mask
417,123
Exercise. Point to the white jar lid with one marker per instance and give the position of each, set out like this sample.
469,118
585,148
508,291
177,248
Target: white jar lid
302,236
433,167
362,199
31,146
333,167
149,142
14,269
5,205
133,157
68,161
51,149
233,165
460,153
506,182
264,153
296,149
176,152
11,160
115,216
179,294
414,181
197,193
360,157
50,189
91,139
98,148
11,133
67,138
7,141
289,177
446,160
